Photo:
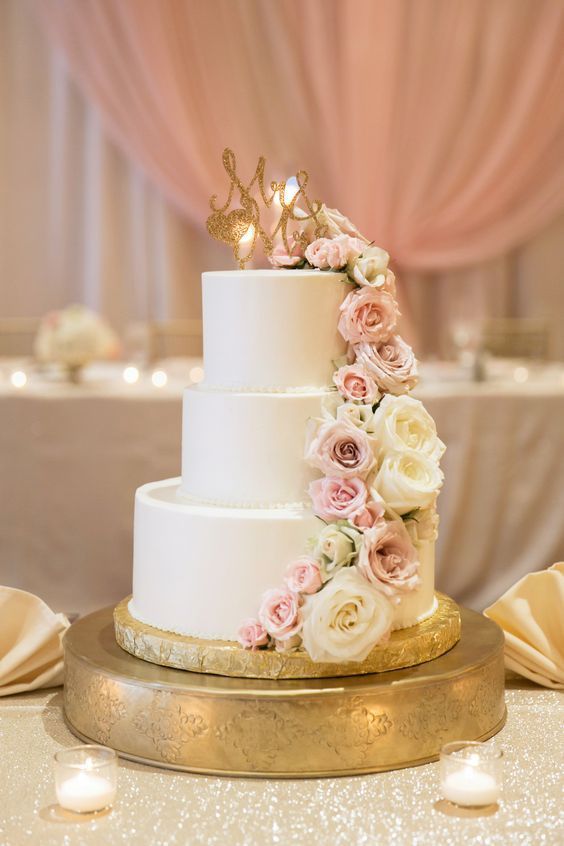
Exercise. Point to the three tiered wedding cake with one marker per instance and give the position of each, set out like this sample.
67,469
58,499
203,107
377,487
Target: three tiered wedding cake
304,517
304,520
209,545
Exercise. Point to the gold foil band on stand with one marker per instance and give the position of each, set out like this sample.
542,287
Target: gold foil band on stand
293,728
405,648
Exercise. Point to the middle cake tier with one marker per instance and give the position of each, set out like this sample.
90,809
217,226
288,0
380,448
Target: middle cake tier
246,449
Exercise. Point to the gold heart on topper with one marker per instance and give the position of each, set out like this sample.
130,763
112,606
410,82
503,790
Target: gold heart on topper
242,227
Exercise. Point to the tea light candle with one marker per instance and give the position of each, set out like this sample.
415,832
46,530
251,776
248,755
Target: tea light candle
471,773
470,787
86,778
86,792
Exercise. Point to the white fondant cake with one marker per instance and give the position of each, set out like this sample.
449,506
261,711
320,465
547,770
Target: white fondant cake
246,449
208,546
271,330
199,569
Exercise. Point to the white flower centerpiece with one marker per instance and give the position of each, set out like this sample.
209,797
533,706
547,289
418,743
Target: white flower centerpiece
378,452
74,337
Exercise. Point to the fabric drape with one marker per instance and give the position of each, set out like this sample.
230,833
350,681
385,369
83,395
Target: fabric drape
437,125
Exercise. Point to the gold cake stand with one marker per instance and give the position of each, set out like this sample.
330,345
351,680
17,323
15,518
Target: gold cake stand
291,728
405,648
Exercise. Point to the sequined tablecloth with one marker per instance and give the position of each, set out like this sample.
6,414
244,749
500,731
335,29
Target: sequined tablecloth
164,808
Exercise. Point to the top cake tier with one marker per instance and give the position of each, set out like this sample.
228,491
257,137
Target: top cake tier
269,330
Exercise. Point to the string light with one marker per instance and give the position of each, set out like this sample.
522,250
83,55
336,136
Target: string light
18,378
159,378
196,375
131,374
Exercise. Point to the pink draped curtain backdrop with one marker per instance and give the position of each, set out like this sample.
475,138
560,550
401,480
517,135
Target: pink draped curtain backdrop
436,125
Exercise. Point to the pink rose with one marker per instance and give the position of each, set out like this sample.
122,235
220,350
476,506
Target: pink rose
368,314
365,519
389,283
356,385
340,449
391,364
280,613
281,258
333,253
252,634
303,575
388,559
336,499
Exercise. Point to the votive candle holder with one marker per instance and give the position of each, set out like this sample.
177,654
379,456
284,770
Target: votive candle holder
471,773
86,778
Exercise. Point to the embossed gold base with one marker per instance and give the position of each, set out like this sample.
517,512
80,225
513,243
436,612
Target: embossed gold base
406,647
247,727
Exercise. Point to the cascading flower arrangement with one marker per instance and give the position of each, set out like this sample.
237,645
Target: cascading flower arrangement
378,452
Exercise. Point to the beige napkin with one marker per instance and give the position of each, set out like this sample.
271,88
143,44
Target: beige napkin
31,653
531,615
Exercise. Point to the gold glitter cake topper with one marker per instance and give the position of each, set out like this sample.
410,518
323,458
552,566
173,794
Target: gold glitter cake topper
241,227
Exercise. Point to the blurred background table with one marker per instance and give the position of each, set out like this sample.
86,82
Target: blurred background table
74,454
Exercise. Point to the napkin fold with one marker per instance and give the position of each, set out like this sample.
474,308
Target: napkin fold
531,614
31,651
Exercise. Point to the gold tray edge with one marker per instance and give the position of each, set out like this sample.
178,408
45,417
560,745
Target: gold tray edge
407,647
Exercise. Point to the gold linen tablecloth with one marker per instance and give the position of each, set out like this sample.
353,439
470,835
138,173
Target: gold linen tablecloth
159,807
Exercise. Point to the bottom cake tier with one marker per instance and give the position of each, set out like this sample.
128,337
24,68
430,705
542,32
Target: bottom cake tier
200,570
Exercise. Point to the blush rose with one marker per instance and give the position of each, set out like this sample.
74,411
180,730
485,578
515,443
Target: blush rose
333,253
355,384
252,634
368,315
370,515
391,364
340,449
303,575
337,499
280,613
280,257
388,559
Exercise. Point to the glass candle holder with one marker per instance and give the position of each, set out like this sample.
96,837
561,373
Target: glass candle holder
471,773
86,778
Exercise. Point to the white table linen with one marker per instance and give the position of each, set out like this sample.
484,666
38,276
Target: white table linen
72,456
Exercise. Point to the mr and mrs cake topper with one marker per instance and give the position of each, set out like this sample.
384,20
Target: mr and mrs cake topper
243,226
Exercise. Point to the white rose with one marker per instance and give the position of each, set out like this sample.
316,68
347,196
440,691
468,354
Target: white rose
335,548
346,619
360,416
423,526
404,423
370,268
408,480
334,224
334,407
